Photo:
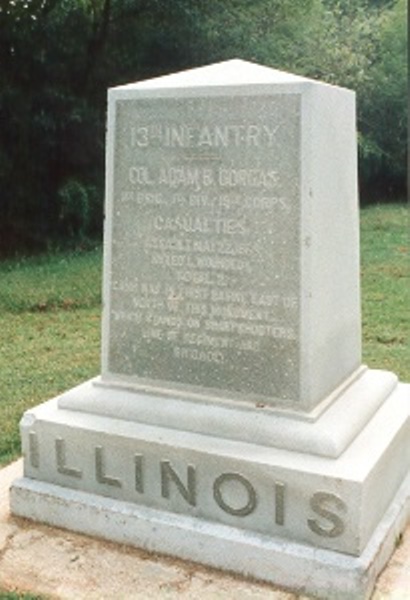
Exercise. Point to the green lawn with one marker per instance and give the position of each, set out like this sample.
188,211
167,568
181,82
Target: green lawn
50,318
386,288
49,333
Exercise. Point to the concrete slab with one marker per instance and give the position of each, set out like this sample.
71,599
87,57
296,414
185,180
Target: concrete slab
64,565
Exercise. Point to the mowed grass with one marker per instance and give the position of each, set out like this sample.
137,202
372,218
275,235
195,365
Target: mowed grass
62,281
50,310
385,258
50,313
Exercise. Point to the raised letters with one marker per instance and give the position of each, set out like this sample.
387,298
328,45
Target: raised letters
208,136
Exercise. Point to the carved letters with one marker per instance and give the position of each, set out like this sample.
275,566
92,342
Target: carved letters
34,451
62,467
233,493
327,506
242,511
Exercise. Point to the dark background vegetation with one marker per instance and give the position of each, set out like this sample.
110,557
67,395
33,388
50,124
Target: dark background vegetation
58,57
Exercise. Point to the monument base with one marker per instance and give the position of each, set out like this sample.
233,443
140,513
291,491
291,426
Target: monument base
315,523
302,568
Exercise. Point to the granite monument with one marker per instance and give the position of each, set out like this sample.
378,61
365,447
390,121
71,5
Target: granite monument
233,422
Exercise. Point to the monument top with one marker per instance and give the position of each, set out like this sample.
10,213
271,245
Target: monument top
227,73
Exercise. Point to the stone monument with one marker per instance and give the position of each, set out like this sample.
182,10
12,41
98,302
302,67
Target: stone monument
233,423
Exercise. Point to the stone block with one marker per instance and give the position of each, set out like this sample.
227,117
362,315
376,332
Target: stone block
231,264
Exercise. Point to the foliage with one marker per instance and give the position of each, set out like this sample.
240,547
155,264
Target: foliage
361,45
384,106
49,132
75,208
57,58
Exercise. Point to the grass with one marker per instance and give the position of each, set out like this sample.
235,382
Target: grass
62,281
50,311
386,288
50,318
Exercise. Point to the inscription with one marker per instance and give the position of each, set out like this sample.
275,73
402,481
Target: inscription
205,200
100,475
279,503
60,448
203,225
232,492
34,449
205,244
168,475
186,135
199,355
324,505
251,500
197,179
139,473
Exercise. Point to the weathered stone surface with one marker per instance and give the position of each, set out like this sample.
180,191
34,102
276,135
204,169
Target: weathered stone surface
230,264
304,568
62,564
297,496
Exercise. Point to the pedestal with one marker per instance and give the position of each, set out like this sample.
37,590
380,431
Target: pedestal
312,515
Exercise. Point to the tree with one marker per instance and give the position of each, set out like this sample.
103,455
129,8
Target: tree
384,108
50,132
361,45
58,57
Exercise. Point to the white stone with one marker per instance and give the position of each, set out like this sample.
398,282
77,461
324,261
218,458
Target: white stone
306,569
280,153
349,409
276,492
233,422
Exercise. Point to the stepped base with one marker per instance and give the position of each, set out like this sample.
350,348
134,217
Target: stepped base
304,569
313,523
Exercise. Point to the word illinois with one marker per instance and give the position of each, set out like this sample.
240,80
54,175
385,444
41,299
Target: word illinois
233,493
